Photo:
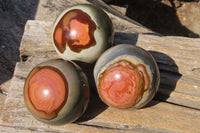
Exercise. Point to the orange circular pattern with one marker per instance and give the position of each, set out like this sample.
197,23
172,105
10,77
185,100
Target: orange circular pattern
121,85
75,29
47,92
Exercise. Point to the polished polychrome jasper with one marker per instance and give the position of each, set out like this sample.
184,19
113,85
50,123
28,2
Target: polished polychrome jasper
82,32
56,92
126,76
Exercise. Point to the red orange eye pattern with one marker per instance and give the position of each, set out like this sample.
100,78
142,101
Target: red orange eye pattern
75,29
123,84
57,91
47,92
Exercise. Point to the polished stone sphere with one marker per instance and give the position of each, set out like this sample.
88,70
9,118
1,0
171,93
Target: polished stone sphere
126,76
56,92
82,32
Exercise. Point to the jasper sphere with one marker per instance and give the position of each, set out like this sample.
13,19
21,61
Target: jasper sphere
126,76
56,92
82,32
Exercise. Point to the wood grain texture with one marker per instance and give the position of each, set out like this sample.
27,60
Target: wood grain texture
180,81
176,107
158,116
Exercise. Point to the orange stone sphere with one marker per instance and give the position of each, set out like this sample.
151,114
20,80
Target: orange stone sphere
82,32
121,85
48,90
126,77
75,29
56,92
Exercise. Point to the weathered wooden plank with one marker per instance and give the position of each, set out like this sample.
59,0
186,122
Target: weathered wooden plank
176,107
48,10
164,93
17,129
158,116
173,55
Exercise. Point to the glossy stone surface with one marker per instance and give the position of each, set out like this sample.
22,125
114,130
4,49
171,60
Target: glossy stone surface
126,77
82,32
76,29
56,92
48,91
122,84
